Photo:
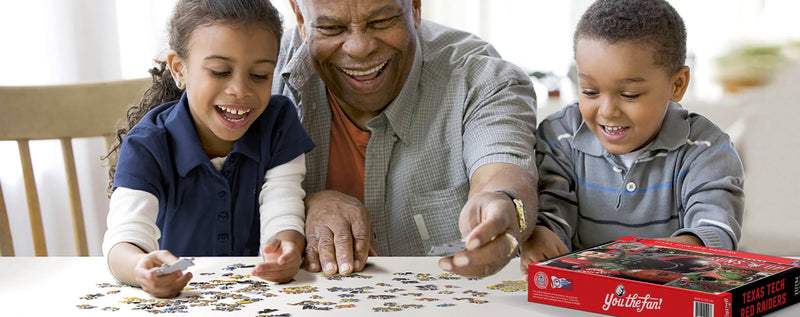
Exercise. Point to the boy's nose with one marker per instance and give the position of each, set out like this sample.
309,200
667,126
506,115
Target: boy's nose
608,108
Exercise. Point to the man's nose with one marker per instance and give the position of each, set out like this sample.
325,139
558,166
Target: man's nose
359,44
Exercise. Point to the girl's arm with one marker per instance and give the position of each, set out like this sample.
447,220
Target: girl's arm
132,231
281,199
282,215
131,244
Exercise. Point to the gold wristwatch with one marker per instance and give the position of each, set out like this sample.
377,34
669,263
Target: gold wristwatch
520,210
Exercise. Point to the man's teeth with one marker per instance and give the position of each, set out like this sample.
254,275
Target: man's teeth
362,73
233,111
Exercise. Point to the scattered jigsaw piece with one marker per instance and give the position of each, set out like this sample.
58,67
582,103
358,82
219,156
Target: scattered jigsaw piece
448,249
181,265
511,286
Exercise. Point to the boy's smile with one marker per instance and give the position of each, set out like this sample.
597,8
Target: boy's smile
623,94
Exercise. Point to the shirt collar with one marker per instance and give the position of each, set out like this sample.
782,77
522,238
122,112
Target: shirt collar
187,149
298,71
673,133
401,110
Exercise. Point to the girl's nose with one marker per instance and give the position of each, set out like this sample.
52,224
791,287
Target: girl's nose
238,87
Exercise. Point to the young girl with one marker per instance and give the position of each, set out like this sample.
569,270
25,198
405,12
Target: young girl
216,169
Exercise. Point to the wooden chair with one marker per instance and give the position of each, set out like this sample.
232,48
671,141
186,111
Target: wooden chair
60,112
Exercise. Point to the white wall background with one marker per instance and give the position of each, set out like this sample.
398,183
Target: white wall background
67,41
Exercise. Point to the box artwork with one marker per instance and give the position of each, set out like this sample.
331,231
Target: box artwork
648,277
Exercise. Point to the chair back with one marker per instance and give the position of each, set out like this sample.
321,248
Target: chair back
61,112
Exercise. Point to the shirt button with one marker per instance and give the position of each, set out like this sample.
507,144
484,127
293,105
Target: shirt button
223,195
394,138
630,186
223,216
222,237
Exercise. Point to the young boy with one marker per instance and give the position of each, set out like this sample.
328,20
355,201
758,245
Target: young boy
627,159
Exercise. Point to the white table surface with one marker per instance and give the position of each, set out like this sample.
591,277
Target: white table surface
53,286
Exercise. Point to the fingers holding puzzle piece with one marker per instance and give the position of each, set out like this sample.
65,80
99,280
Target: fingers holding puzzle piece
447,249
181,265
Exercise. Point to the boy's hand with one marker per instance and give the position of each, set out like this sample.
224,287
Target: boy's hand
543,244
164,286
282,260
686,239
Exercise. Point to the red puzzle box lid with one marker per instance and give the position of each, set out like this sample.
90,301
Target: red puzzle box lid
633,276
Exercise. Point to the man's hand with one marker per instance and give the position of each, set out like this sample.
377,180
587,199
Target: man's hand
487,223
543,244
163,286
337,226
489,220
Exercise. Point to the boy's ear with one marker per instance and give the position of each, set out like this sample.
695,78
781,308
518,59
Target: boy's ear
176,65
680,83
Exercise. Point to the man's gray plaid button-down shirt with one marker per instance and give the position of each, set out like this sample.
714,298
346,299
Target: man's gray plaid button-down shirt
462,107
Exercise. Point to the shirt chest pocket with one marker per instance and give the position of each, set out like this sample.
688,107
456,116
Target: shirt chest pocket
434,215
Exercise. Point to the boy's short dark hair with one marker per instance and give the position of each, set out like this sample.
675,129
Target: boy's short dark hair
651,22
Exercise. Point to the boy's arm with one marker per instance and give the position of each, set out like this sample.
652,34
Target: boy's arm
281,200
712,194
558,201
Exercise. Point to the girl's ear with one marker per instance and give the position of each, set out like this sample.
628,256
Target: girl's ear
176,67
680,83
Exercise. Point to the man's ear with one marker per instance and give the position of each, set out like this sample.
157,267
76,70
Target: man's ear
680,83
176,66
298,15
416,8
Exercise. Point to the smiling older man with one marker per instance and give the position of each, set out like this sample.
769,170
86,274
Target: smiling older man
424,136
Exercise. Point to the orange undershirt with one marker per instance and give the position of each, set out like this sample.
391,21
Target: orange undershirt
348,150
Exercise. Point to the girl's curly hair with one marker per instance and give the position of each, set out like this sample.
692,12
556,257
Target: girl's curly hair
187,17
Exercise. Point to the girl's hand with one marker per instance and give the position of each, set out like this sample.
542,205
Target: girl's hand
282,259
164,286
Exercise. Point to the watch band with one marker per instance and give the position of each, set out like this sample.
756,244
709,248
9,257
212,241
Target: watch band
520,210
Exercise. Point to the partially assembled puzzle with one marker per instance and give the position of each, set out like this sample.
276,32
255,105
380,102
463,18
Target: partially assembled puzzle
232,289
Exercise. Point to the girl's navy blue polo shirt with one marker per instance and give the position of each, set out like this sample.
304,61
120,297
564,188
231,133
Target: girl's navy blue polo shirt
202,211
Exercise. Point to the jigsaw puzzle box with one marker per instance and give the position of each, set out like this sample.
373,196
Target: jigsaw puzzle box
646,277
